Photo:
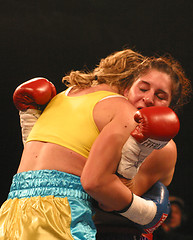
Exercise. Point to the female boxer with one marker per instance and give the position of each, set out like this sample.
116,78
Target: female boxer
77,143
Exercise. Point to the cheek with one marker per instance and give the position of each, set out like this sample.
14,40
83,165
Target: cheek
133,96
162,103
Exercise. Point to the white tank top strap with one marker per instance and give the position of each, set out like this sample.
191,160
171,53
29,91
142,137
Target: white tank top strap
68,90
112,97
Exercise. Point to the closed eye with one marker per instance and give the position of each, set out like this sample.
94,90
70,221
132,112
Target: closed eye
162,95
143,89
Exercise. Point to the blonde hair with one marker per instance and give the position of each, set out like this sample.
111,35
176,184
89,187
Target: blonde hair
115,70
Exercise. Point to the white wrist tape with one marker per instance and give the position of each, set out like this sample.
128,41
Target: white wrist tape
134,153
27,120
141,211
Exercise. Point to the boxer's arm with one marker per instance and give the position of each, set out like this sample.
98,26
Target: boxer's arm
156,127
98,177
157,200
159,166
146,213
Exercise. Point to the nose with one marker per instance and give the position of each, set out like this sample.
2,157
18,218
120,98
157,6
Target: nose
148,99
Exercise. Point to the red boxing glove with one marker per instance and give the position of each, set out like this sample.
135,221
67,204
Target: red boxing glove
157,126
28,98
33,94
159,123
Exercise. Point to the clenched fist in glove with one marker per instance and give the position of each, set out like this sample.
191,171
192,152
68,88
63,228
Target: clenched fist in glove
149,211
156,127
33,94
29,98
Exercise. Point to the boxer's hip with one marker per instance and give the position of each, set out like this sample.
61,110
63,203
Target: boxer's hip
46,204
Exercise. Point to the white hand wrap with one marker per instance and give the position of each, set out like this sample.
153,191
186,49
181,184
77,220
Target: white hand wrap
27,120
141,211
134,153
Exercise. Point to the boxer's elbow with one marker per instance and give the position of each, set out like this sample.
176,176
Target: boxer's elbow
90,185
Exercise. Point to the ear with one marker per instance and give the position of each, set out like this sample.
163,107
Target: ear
126,92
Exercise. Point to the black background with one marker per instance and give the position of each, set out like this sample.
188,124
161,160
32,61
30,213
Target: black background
49,38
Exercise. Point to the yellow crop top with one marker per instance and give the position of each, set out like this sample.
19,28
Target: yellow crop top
68,121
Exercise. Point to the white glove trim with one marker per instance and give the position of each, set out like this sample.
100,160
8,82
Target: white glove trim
134,153
27,120
141,211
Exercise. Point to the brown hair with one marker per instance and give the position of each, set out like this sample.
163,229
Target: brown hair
181,85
